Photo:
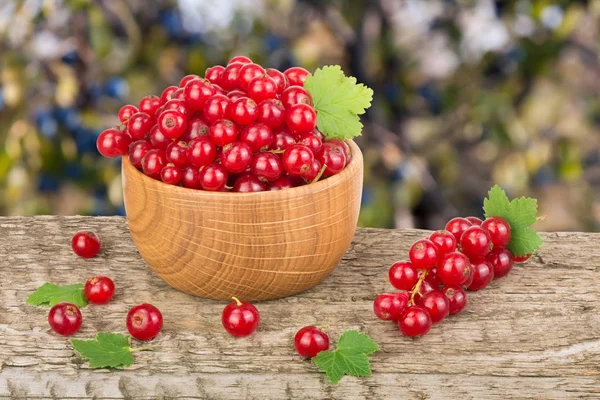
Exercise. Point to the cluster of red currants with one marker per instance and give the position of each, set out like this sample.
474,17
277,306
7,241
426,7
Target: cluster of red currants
468,254
241,128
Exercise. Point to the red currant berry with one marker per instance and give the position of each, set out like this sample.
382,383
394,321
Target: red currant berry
297,159
191,178
176,153
266,166
476,242
126,112
282,183
469,279
521,259
431,282
314,143
230,79
172,124
219,90
248,183
243,111
184,81
85,244
271,113
240,318
213,177
149,104
389,306
236,157
215,74
282,140
295,95
139,125
240,59
457,298
483,274
333,157
423,254
454,269
312,173
201,151
217,107
166,94
499,230
153,162
414,321
158,139
262,88
342,144
296,75
301,118
197,126
247,73
457,226
474,221
144,321
502,261
279,78
436,304
223,132
113,142
137,151
444,241
171,175
65,319
310,341
178,95
178,105
258,136
196,92
402,275
236,94
99,289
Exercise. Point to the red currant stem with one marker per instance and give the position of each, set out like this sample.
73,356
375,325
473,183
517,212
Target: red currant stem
541,218
239,303
228,187
321,327
417,286
278,151
149,348
320,174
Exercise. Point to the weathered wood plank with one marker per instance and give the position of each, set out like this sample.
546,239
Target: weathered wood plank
533,334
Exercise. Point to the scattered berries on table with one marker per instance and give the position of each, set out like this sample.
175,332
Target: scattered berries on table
240,318
144,321
65,319
310,340
85,244
99,289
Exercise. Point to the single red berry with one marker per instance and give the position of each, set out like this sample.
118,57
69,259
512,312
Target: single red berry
240,318
236,157
85,244
144,321
153,162
215,74
240,59
414,321
248,183
213,177
296,75
469,278
282,183
521,259
301,118
172,124
235,94
444,241
179,94
457,298
186,79
483,274
201,151
171,175
423,254
113,142
333,157
457,226
176,153
197,126
126,112
389,306
149,104
261,88
314,143
295,95
248,72
223,132
217,107
341,143
196,92
99,289
137,151
191,178
166,94
402,275
282,139
499,230
271,113
158,139
310,341
474,220
312,173
243,111
230,79
257,135
65,319
297,159
502,261
219,90
139,125
436,304
279,78
476,242
178,105
454,269
266,166
430,283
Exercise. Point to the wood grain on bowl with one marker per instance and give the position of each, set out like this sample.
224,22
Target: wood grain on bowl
256,246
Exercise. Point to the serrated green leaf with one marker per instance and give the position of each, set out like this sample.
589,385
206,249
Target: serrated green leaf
51,294
358,342
339,100
107,350
520,213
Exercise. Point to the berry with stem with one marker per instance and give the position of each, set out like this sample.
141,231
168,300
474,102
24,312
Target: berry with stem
314,143
295,95
310,341
423,254
333,157
436,304
144,321
99,289
476,242
498,229
240,318
402,275
172,124
315,172
501,260
65,319
457,298
113,143
197,126
176,153
282,140
85,244
389,306
454,269
444,241
414,321
297,159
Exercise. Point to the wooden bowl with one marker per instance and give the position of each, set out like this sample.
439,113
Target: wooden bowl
256,246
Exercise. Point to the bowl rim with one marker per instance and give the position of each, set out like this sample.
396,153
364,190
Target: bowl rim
347,173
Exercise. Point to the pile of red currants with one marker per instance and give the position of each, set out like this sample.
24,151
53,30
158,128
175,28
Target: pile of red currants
468,254
241,128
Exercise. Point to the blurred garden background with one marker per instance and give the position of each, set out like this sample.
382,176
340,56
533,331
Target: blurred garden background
467,94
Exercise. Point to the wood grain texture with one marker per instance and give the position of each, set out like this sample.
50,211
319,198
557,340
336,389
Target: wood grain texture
534,334
257,246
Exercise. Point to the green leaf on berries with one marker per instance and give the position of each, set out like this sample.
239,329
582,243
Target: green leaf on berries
51,294
339,100
350,357
520,213
107,350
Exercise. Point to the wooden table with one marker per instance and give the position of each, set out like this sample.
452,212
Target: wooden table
533,334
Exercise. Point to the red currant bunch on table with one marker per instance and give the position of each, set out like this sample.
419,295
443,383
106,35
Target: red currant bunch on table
240,128
467,255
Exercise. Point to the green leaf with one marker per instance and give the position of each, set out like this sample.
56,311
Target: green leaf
51,294
107,350
520,213
350,357
339,100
